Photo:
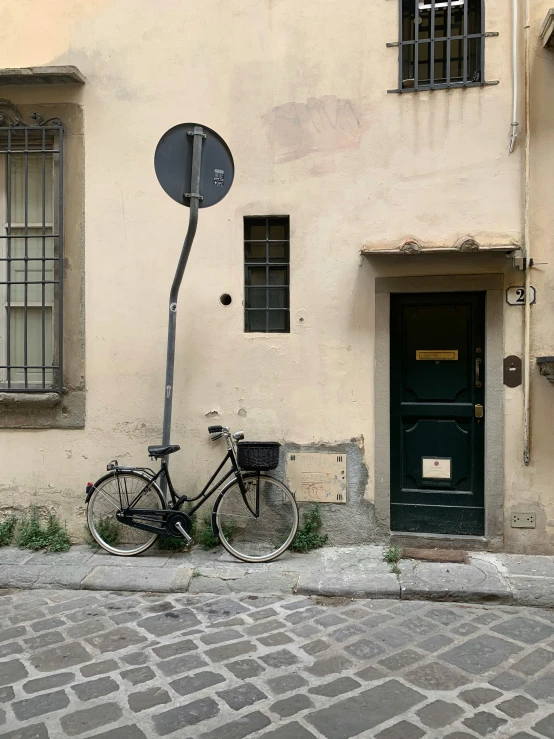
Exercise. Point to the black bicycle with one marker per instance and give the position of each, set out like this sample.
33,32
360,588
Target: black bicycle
255,515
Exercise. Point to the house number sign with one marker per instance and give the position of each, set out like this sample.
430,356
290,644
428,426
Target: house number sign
515,295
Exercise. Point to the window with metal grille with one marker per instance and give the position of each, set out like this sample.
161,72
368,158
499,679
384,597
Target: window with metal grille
266,274
441,45
31,256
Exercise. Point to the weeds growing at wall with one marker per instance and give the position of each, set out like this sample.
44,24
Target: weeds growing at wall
392,556
171,543
32,534
307,536
203,534
7,529
109,531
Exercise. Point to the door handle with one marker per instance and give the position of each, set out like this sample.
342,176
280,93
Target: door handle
479,411
478,363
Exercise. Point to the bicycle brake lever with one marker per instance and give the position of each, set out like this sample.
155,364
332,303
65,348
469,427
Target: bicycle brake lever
215,437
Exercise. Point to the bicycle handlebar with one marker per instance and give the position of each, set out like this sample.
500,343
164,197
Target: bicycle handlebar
218,431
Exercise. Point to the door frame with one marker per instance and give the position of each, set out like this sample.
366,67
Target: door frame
493,285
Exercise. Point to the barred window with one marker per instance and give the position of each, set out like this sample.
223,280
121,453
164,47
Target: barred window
266,274
441,45
31,265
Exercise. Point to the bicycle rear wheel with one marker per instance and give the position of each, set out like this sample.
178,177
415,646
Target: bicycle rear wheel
117,490
261,530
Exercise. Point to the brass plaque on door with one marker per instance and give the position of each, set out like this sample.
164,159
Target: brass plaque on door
443,355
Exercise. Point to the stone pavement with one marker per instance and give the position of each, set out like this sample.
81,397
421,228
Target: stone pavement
357,572
126,665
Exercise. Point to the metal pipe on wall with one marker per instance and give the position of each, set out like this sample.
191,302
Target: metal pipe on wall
527,242
515,74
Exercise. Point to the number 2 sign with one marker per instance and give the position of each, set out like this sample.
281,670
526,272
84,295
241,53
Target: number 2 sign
515,295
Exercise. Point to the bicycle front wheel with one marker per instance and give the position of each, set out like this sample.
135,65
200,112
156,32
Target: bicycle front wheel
260,525
114,492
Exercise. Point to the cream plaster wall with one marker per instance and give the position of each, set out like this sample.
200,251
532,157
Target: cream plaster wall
532,488
299,93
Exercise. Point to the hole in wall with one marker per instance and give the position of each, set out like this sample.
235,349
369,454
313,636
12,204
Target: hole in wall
225,299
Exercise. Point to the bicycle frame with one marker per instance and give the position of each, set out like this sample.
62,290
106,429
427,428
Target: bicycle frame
127,514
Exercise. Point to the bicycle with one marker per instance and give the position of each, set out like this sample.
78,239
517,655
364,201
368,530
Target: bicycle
255,516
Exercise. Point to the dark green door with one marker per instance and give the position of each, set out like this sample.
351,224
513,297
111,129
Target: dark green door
437,413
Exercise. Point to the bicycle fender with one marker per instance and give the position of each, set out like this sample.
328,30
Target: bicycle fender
214,525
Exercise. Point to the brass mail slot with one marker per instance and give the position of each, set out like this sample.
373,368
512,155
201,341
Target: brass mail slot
448,355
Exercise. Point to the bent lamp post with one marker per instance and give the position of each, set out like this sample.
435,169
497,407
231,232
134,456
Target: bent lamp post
195,168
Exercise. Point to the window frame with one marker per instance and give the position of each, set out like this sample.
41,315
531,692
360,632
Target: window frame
49,134
54,410
464,38
267,264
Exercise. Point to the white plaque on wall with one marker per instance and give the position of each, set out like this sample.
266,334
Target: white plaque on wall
437,468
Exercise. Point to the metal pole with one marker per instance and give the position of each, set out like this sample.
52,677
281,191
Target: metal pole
195,197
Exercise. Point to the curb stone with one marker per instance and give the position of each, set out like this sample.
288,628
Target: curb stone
344,572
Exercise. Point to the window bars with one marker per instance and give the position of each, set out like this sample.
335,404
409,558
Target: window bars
31,255
266,274
441,44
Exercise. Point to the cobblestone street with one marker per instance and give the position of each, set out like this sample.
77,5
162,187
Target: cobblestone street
124,666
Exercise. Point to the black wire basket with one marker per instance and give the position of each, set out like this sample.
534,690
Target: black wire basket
258,455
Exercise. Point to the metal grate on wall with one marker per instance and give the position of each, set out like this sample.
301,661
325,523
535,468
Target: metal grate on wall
31,255
441,45
266,274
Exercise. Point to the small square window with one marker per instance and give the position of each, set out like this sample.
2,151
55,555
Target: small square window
266,274
441,45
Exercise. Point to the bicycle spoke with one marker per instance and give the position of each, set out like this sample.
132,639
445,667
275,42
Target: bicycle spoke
105,495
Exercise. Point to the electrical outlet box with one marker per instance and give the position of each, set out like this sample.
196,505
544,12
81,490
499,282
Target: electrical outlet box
317,477
523,521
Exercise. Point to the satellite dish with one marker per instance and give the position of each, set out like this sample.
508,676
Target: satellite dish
173,165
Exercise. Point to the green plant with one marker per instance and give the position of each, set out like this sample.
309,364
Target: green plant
203,534
109,531
31,534
171,543
307,536
392,555
196,573
7,528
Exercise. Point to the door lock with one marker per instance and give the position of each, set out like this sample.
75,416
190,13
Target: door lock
479,411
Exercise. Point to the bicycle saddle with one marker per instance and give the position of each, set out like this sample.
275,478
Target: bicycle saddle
161,451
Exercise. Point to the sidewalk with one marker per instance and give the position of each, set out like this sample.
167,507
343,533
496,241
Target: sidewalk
352,572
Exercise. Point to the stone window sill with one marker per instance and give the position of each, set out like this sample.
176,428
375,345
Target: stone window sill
51,75
33,400
43,410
